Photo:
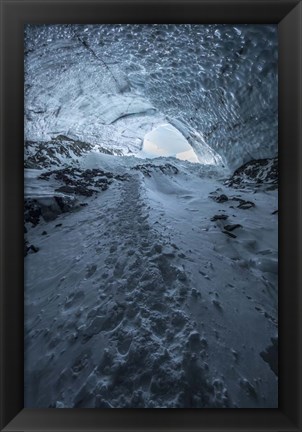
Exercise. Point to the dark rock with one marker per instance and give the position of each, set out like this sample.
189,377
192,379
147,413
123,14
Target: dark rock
219,217
274,212
232,227
33,248
65,204
80,182
221,198
246,205
45,154
50,210
102,181
258,172
229,234
121,177
82,190
148,168
104,187
65,189
44,233
32,211
58,225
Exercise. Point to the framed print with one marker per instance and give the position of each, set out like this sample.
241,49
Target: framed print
156,150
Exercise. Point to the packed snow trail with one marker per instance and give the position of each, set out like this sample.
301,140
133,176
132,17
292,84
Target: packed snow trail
127,306
133,315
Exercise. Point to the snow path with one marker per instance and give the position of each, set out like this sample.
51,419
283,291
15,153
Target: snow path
146,313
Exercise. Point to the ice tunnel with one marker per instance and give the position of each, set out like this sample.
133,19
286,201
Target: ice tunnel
114,86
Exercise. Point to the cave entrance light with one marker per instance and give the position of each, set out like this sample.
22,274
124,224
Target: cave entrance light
167,141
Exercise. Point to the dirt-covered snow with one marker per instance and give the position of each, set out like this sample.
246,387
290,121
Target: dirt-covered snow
157,292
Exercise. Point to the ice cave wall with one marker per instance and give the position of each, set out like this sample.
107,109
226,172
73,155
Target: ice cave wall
112,84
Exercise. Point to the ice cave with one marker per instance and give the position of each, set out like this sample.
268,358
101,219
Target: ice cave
151,216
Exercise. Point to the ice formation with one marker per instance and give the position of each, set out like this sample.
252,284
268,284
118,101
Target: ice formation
218,81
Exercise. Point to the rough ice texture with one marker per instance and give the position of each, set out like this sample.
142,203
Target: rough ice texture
219,80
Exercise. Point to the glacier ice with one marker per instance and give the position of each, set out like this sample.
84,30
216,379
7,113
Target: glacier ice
220,81
113,107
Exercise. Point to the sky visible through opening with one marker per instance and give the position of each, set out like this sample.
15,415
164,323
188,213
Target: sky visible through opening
167,141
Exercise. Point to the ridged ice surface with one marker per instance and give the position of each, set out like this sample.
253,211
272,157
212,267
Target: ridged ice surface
112,84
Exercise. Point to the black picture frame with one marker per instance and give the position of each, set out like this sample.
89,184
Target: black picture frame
14,15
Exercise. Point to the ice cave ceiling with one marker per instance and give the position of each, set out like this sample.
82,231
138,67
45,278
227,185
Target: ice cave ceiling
113,84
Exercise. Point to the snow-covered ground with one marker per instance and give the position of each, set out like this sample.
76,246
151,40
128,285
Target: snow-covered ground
142,298
151,216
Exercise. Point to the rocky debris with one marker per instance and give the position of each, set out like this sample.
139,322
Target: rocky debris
226,228
232,227
229,234
32,211
38,154
29,249
219,217
244,205
65,189
260,172
82,182
48,208
148,169
65,203
220,198
76,182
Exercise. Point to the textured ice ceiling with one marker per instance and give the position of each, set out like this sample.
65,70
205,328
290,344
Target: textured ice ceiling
112,84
